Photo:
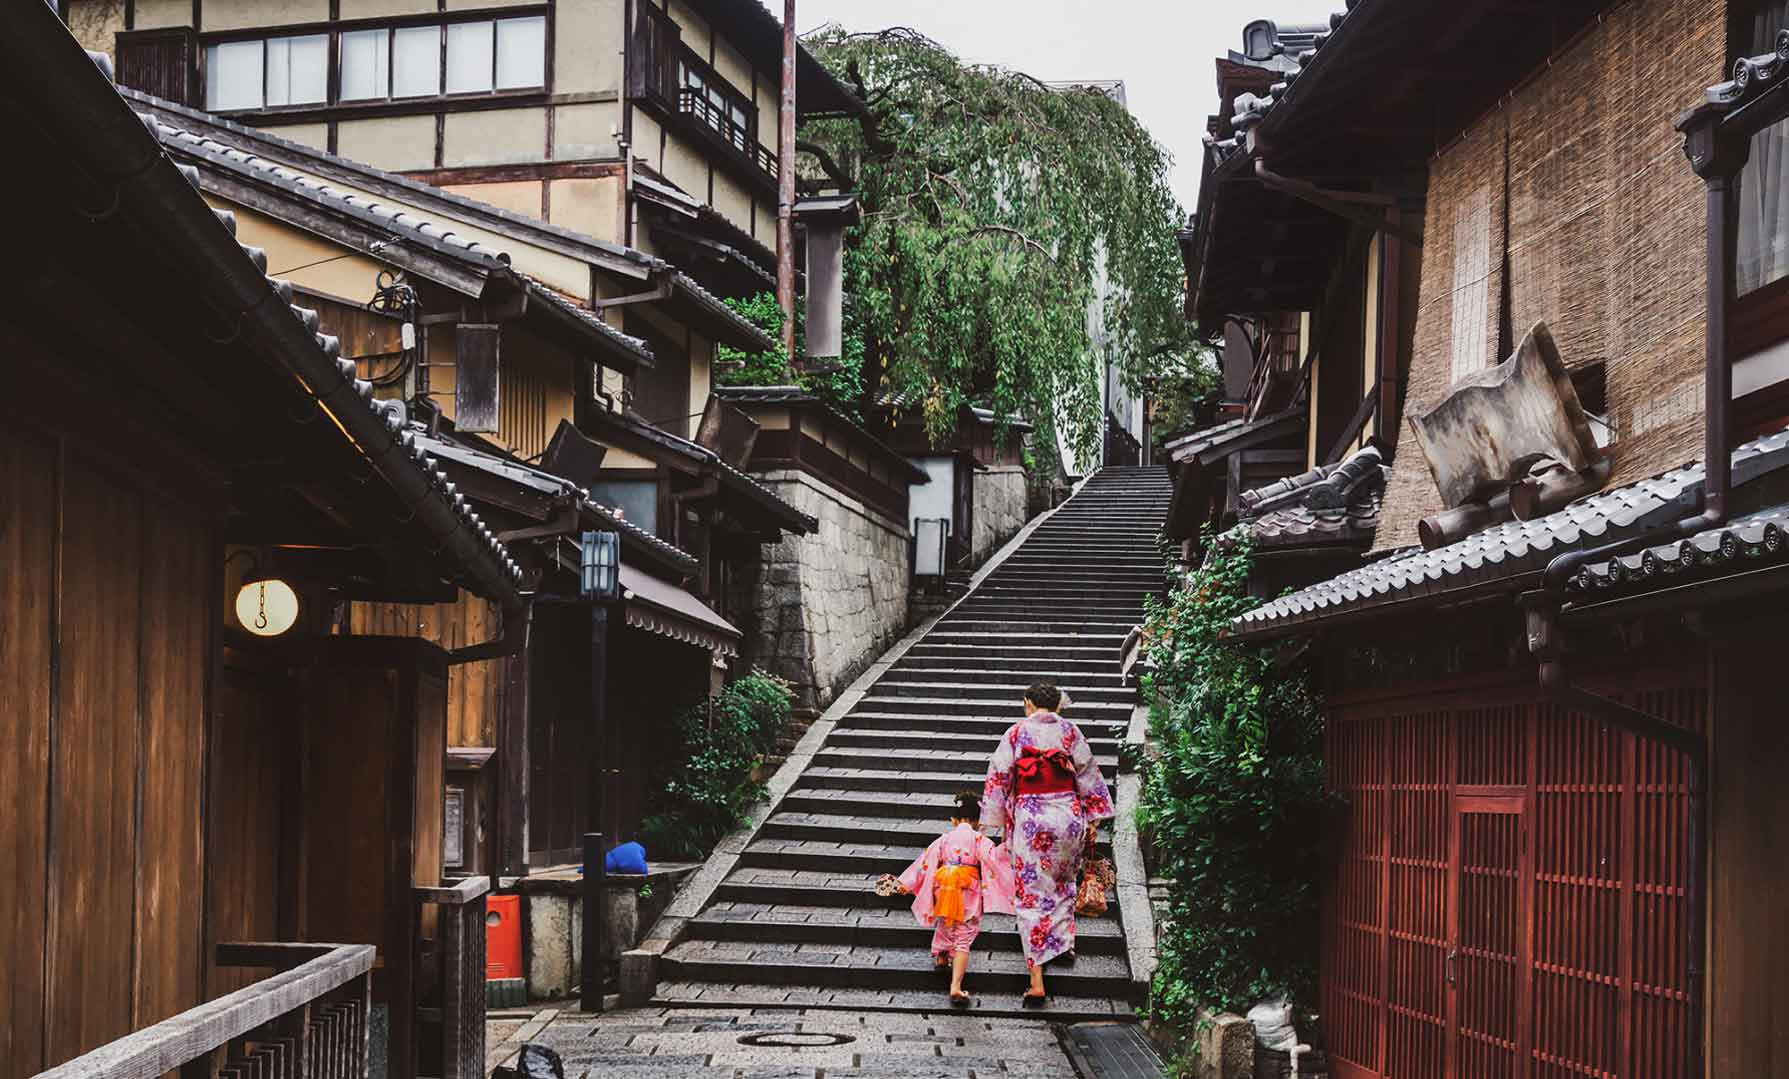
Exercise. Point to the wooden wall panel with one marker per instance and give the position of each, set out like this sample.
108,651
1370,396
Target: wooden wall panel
94,760
27,566
474,690
177,598
245,785
348,740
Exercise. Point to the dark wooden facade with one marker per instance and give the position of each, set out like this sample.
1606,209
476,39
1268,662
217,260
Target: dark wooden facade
1510,897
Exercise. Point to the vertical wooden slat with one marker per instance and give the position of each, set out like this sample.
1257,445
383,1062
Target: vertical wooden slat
177,568
27,565
92,868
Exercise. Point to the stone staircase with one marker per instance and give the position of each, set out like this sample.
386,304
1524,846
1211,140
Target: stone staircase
797,922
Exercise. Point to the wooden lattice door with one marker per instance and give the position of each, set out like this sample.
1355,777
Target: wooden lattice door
1484,964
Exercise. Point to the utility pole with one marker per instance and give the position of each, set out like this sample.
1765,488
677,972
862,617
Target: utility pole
785,204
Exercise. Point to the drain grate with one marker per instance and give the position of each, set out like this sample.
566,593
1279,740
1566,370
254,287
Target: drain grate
1114,1051
794,1039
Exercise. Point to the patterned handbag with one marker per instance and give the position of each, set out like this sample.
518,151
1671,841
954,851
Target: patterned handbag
1090,897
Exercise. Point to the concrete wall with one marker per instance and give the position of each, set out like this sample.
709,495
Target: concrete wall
1000,509
821,607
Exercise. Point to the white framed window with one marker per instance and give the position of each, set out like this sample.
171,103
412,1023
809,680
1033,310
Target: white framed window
416,61
267,72
469,57
521,53
366,65
234,73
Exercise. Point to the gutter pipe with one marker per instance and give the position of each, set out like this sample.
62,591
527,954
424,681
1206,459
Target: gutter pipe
114,146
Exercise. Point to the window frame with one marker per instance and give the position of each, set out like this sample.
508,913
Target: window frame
1757,320
334,31
264,40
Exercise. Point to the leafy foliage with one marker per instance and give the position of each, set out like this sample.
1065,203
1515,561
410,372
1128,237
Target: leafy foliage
841,387
994,206
1185,397
702,785
1234,805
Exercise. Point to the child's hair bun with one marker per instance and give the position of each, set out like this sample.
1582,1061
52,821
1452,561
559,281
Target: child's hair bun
968,806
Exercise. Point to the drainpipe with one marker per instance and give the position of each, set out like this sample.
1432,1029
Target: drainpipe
1717,157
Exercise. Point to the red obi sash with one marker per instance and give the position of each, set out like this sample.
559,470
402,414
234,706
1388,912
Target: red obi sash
1044,771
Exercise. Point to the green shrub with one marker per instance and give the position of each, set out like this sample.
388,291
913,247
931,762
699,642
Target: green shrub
1233,805
701,782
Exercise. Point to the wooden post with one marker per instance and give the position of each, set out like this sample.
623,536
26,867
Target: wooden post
590,997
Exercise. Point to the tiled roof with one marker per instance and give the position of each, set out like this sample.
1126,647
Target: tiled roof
1186,447
632,345
554,486
1750,542
795,395
730,476
1217,442
1516,548
1330,504
1251,109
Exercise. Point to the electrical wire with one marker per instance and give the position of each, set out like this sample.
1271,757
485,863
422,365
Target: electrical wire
392,296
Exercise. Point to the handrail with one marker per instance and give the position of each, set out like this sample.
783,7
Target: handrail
457,894
181,1039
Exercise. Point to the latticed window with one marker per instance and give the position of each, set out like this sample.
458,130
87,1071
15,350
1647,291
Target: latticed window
1764,185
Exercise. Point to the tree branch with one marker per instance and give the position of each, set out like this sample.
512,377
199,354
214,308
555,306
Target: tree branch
1008,231
827,165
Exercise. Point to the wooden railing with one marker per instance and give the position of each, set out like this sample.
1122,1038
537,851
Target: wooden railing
453,995
308,1021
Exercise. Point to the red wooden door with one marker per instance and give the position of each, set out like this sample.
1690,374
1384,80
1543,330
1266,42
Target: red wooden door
1484,961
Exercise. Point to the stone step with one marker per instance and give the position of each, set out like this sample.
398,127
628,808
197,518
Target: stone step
1092,710
1104,612
1000,672
931,806
1055,667
848,833
953,690
1061,1008
1096,730
887,923
1060,627
850,776
948,762
965,742
1048,649
876,967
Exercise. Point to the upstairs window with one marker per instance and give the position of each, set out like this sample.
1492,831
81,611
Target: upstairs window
266,73
705,95
482,56
1764,184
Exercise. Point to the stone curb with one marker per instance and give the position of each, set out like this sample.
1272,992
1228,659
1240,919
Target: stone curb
1127,858
642,963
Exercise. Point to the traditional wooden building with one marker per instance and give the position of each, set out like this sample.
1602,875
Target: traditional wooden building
1547,704
443,311
224,819
646,123
977,496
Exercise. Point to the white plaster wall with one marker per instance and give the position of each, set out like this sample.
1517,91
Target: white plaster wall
935,499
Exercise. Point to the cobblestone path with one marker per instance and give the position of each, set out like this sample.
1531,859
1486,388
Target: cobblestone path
796,922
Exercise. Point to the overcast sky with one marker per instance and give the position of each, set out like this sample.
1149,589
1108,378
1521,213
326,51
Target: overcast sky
1162,49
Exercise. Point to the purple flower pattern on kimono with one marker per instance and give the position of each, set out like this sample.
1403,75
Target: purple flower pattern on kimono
1046,833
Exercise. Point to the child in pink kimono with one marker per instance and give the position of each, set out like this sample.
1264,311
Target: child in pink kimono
957,880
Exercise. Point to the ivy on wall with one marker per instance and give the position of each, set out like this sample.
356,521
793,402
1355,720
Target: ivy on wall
1233,806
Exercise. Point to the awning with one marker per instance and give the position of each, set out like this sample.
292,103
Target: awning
658,606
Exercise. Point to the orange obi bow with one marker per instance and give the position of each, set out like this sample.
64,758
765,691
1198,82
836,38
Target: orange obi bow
1044,771
953,882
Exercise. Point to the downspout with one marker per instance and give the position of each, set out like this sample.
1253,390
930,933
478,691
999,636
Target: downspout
1718,158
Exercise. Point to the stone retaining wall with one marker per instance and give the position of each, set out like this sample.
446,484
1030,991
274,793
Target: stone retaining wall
820,608
1001,509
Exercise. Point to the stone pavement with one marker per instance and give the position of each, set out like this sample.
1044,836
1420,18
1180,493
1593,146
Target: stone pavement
787,1043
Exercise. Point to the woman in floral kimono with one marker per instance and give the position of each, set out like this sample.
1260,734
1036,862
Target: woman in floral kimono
1046,793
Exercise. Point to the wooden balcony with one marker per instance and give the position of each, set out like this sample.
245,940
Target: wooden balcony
307,1021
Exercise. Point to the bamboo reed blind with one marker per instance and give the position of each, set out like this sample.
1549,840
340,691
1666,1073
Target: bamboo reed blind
1605,237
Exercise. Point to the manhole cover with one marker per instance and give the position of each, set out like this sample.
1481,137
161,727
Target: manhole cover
795,1039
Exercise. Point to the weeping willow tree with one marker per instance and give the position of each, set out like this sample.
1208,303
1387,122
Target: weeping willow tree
1005,222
